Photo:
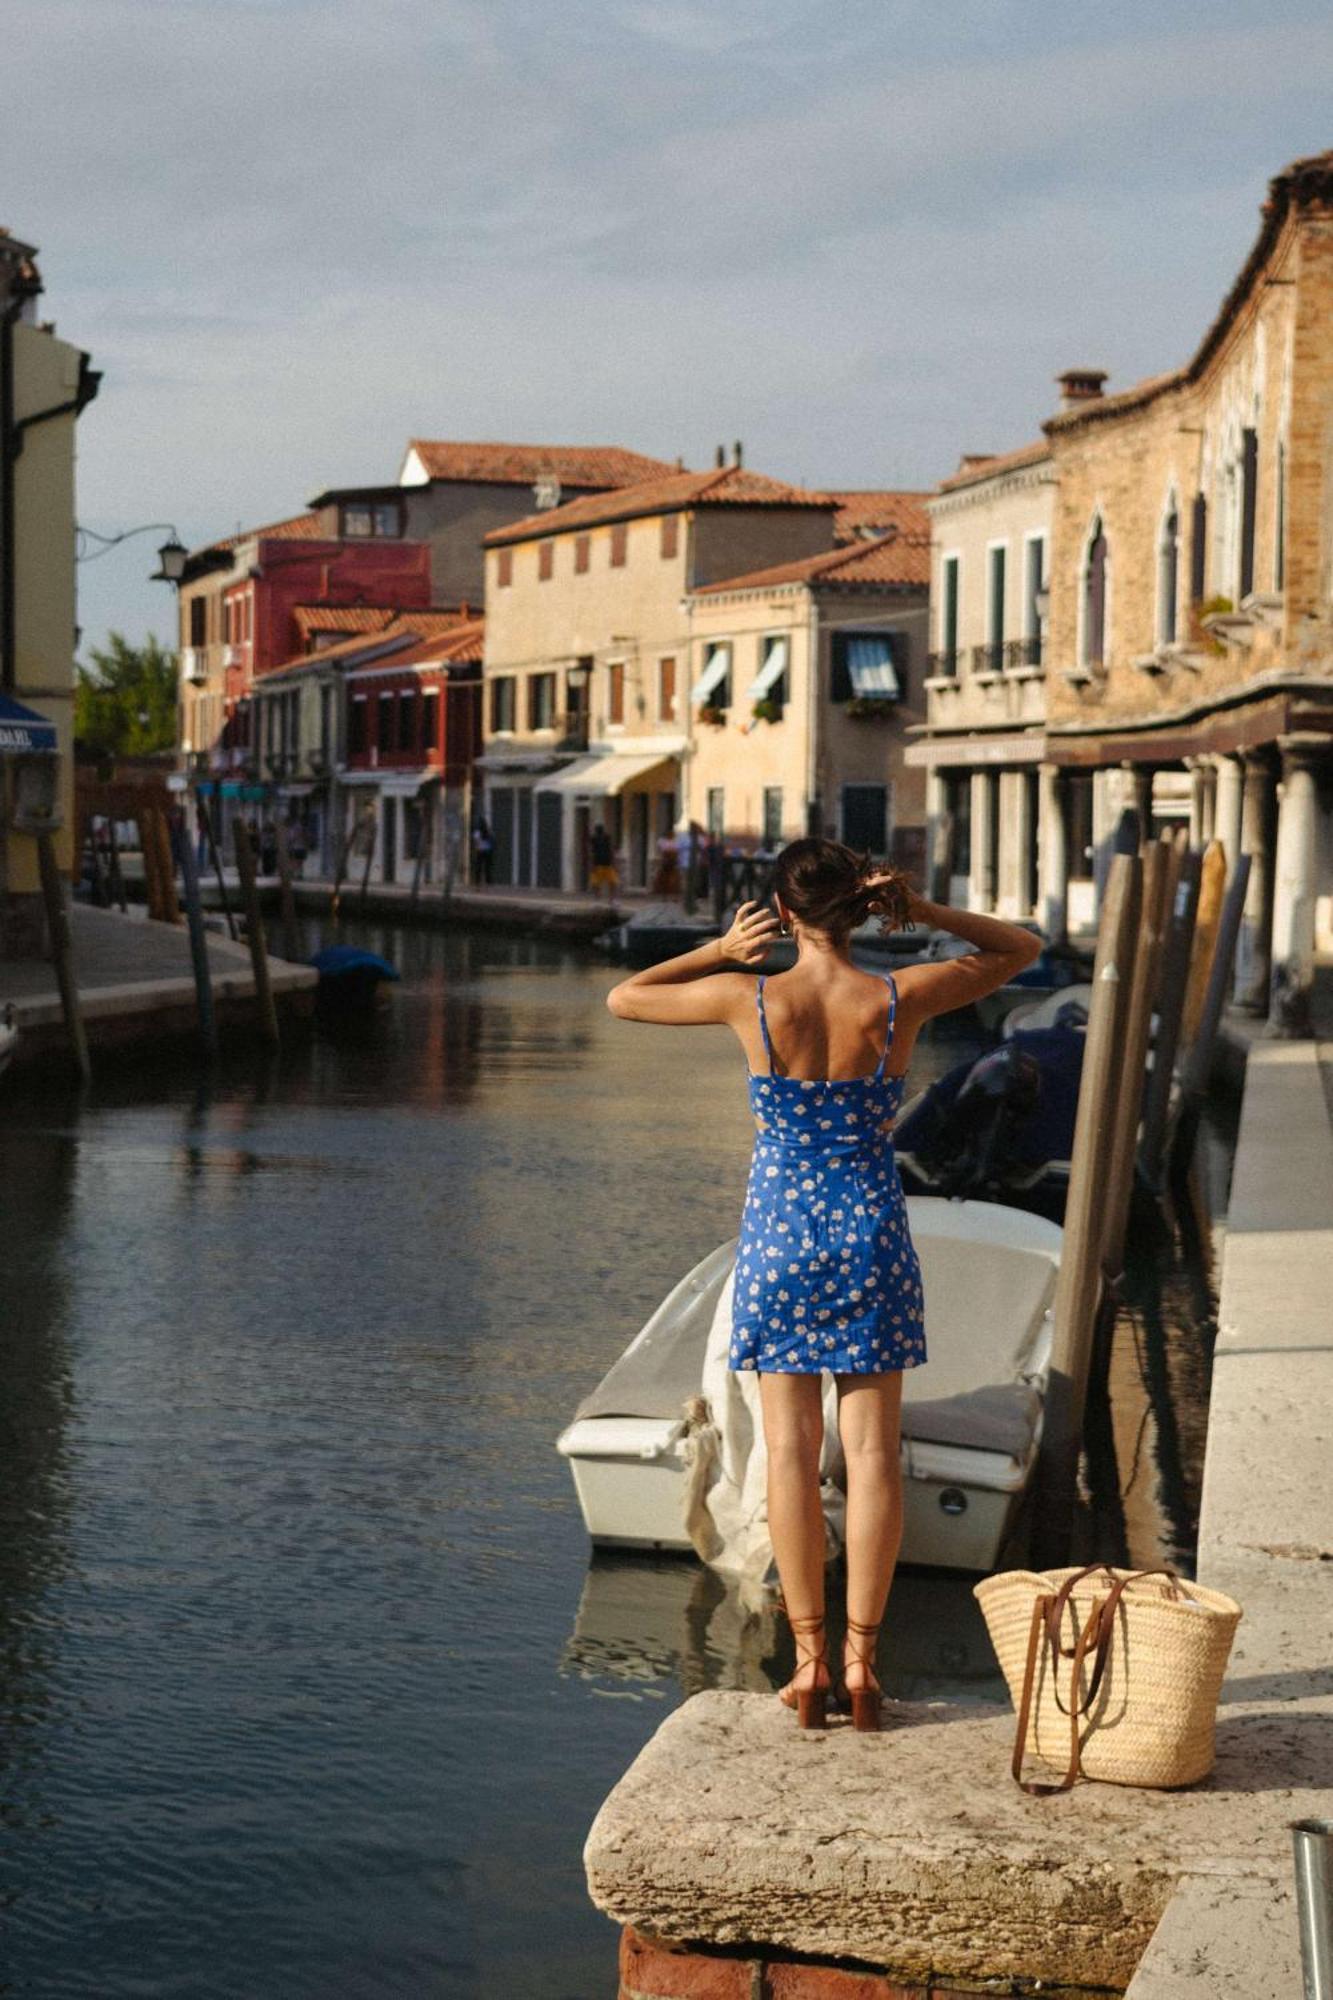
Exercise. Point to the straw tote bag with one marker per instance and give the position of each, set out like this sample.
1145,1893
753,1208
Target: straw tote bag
1115,1673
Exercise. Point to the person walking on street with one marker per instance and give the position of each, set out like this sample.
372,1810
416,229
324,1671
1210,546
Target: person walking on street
483,849
603,873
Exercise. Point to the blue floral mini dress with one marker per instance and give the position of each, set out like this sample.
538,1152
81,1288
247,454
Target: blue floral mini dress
826,1275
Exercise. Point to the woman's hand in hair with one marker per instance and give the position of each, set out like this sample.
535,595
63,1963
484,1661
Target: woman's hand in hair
752,932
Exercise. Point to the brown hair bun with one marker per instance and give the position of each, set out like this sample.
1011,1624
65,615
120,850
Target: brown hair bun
828,886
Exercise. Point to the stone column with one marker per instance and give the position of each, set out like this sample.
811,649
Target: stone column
1052,856
1015,841
981,880
1203,795
939,835
1295,884
1250,989
1226,807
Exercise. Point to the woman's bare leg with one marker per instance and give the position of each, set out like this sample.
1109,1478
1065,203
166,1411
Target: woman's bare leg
793,1412
869,1416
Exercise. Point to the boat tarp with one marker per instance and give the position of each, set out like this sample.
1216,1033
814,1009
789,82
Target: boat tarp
1002,1416
659,1371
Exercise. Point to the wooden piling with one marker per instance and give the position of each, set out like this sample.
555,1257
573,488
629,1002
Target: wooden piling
62,955
265,1010
1079,1283
1170,1002
286,892
1198,1062
166,871
215,856
194,917
1127,1107
1212,893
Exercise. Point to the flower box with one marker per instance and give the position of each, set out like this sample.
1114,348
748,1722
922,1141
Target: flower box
710,713
871,708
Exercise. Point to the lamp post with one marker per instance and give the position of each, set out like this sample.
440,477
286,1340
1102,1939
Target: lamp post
171,557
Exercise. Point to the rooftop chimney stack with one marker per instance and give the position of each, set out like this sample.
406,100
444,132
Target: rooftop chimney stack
738,453
1080,385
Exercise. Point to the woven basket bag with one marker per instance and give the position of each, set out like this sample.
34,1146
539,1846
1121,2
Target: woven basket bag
1115,1673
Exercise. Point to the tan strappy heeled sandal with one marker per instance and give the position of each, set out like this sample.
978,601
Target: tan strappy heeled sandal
864,1702
810,1703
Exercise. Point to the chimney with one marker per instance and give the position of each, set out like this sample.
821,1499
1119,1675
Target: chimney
720,457
738,453
1080,385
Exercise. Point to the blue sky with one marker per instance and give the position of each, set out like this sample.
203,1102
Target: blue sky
861,235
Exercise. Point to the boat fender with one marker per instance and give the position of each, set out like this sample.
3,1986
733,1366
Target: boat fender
700,1446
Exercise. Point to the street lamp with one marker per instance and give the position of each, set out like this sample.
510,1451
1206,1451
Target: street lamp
171,557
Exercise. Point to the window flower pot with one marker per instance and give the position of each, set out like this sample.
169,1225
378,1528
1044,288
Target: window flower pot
767,711
712,714
871,708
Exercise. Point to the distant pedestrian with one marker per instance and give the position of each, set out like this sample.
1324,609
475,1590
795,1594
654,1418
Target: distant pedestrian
268,849
603,874
483,849
299,846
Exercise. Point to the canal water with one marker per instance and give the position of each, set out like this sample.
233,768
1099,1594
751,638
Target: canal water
308,1686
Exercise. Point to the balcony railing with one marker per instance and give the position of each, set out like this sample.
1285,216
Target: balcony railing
571,728
232,656
1023,652
988,658
194,663
943,665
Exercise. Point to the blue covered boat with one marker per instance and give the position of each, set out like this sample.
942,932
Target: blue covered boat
350,976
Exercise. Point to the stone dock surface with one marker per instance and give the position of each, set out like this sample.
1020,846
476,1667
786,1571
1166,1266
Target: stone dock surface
912,1856
136,984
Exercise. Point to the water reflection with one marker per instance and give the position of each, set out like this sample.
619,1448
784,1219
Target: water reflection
303,1662
658,1627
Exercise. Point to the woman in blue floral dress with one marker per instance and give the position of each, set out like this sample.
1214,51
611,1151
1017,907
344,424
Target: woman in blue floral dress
826,1276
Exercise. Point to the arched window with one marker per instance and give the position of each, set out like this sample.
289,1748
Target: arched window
1168,577
1094,597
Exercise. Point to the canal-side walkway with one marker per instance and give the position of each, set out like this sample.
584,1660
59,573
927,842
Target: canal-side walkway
136,983
818,1866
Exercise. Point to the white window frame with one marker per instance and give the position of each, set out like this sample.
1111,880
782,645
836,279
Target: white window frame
1033,622
954,556
1170,506
995,642
1096,524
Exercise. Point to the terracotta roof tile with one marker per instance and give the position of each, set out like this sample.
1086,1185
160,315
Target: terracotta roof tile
985,465
342,617
595,465
296,528
895,561
728,485
864,515
438,630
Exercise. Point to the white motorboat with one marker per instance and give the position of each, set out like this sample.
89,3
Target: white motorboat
667,1450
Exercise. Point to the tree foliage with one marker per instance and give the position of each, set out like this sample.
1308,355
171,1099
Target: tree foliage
125,702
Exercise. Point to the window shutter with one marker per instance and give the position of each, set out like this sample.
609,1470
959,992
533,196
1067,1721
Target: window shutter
582,548
670,535
545,561
619,541
504,568
1199,549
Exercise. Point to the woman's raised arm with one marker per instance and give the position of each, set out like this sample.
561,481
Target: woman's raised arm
1002,951
677,993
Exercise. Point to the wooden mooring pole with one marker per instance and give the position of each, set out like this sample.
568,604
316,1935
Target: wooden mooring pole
1199,1060
194,917
62,954
254,929
1127,1108
286,893
1078,1286
1170,1004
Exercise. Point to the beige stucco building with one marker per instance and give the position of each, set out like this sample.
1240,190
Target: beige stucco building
1188,647
587,704
45,382
803,677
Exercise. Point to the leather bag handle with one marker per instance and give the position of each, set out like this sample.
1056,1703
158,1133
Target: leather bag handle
1096,1633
